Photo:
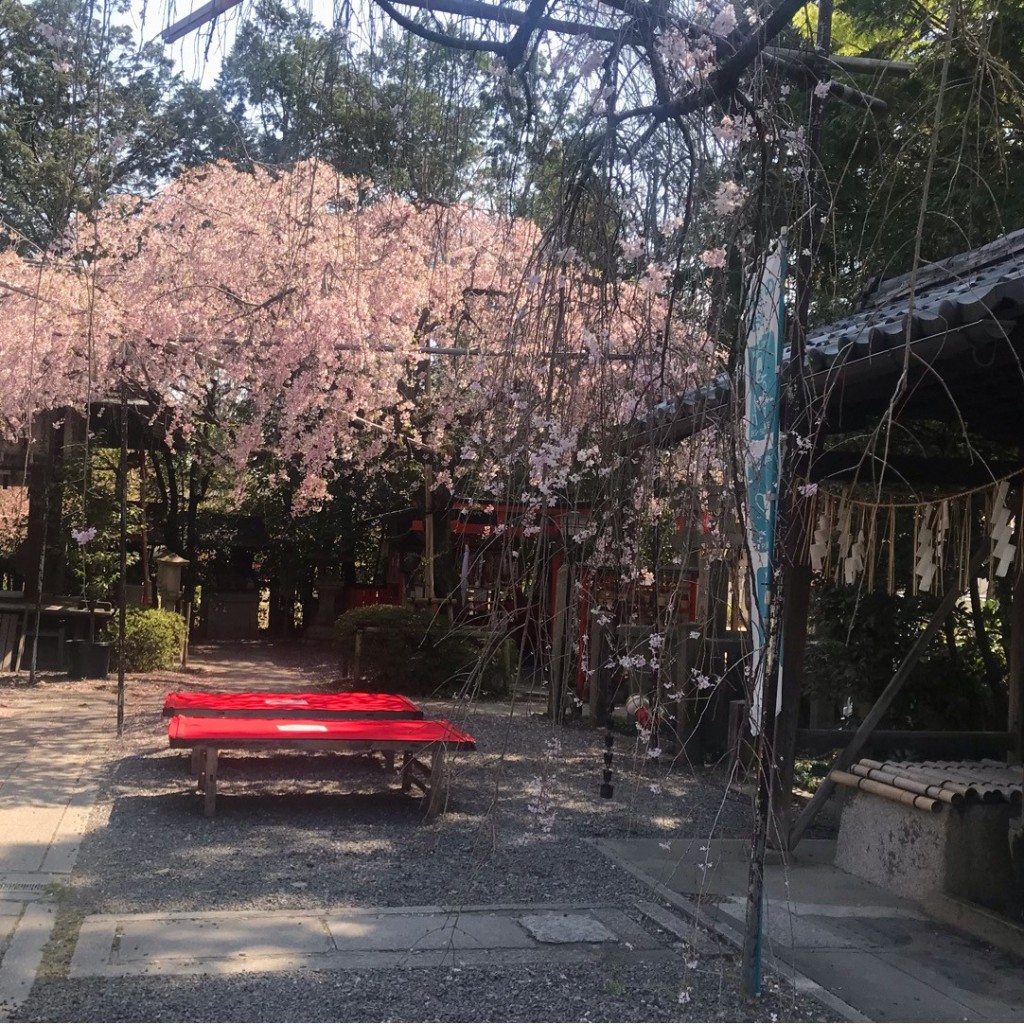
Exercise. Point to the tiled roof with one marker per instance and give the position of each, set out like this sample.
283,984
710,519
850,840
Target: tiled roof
968,301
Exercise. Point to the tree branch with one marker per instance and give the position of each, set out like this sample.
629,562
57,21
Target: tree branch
510,16
516,48
726,78
474,45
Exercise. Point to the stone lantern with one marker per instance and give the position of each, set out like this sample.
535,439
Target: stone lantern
169,569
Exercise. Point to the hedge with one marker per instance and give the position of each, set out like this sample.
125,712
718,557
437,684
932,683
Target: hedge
153,639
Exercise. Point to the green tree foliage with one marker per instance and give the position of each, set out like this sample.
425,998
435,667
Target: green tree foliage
877,165
860,638
404,114
79,115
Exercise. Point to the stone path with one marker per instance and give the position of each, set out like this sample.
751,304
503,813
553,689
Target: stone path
112,945
50,762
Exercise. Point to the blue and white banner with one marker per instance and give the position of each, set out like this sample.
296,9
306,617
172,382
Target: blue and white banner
761,423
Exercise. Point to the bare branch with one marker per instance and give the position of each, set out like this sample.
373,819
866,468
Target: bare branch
851,65
726,78
515,50
456,43
511,16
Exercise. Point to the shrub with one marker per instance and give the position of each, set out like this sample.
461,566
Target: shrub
152,639
403,650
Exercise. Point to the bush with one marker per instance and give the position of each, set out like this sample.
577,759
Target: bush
152,639
407,651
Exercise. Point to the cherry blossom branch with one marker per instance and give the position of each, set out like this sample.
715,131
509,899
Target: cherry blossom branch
725,79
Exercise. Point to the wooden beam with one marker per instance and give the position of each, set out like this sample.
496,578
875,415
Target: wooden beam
852,65
910,471
196,19
884,702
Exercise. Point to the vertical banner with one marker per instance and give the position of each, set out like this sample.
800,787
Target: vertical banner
761,430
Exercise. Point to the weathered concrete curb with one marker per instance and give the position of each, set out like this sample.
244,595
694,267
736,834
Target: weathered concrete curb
800,981
24,955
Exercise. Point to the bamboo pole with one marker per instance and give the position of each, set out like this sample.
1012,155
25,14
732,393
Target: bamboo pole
900,796
939,777
947,796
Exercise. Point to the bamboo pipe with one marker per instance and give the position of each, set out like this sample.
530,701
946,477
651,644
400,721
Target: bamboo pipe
925,774
947,796
900,796
986,792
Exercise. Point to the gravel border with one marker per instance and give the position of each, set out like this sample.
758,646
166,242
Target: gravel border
292,833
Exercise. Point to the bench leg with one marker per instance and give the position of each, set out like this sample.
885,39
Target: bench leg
196,761
406,763
210,788
437,795
389,760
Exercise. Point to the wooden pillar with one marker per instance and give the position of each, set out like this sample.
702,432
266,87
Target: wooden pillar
1015,678
559,629
796,598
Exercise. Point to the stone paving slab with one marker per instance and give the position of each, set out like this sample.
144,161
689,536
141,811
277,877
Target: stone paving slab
826,926
23,956
227,942
8,919
877,955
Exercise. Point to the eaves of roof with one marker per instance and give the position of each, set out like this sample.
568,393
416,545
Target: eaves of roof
969,301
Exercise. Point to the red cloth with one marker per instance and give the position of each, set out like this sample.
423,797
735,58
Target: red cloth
286,705
185,731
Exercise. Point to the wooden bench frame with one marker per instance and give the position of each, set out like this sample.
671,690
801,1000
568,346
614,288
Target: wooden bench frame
417,740
433,781
230,709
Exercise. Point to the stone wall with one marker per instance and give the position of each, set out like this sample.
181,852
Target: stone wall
963,852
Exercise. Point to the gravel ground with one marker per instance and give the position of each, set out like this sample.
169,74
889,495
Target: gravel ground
293,833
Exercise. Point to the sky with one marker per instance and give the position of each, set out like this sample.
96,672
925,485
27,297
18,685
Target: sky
199,54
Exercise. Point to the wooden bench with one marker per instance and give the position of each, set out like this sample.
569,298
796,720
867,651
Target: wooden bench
415,739
353,705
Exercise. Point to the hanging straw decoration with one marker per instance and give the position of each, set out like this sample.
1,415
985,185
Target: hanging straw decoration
924,550
848,535
1001,530
822,544
844,515
872,555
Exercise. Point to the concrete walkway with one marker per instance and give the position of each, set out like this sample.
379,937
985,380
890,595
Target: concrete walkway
878,956
352,939
50,762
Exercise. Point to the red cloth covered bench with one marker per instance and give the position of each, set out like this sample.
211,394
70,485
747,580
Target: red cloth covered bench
413,738
291,705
